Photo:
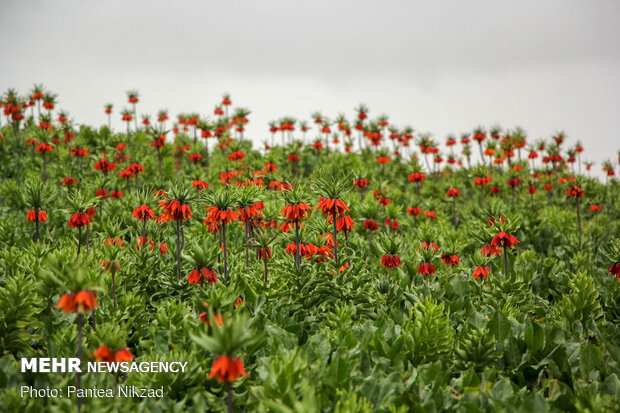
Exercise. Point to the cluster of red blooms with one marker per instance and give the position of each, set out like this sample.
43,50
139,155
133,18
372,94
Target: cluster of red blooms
79,153
105,166
163,248
450,259
370,225
417,177
200,184
32,215
196,276
227,369
361,183
176,211
426,268
217,216
236,156
296,212
482,180
453,193
81,302
414,211
575,191
504,240
143,212
44,147
481,272
104,354
390,261
310,251
81,219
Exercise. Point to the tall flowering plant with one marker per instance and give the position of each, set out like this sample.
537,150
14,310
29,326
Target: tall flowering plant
331,188
176,208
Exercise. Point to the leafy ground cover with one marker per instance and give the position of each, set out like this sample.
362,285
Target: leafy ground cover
347,266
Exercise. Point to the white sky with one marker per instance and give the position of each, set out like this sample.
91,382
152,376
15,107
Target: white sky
439,66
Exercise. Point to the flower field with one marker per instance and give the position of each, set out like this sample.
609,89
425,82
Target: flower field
345,264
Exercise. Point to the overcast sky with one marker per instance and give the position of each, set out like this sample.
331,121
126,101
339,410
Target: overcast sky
439,66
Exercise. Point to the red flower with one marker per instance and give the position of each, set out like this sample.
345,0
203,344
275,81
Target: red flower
226,369
331,206
80,219
426,246
105,166
200,185
236,156
33,216
370,225
531,189
264,253
82,302
575,191
344,224
195,276
504,240
103,354
596,208
489,250
142,241
175,210
417,177
453,193
615,269
382,160
512,182
392,223
361,183
221,217
102,193
430,215
293,157
482,180
143,212
116,194
296,211
414,211
495,190
390,261
481,272
44,147
123,355
238,302
135,168
450,259
426,268
195,157
69,181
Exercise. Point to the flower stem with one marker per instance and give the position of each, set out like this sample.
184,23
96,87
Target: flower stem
229,403
578,220
505,261
179,250
335,239
78,381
